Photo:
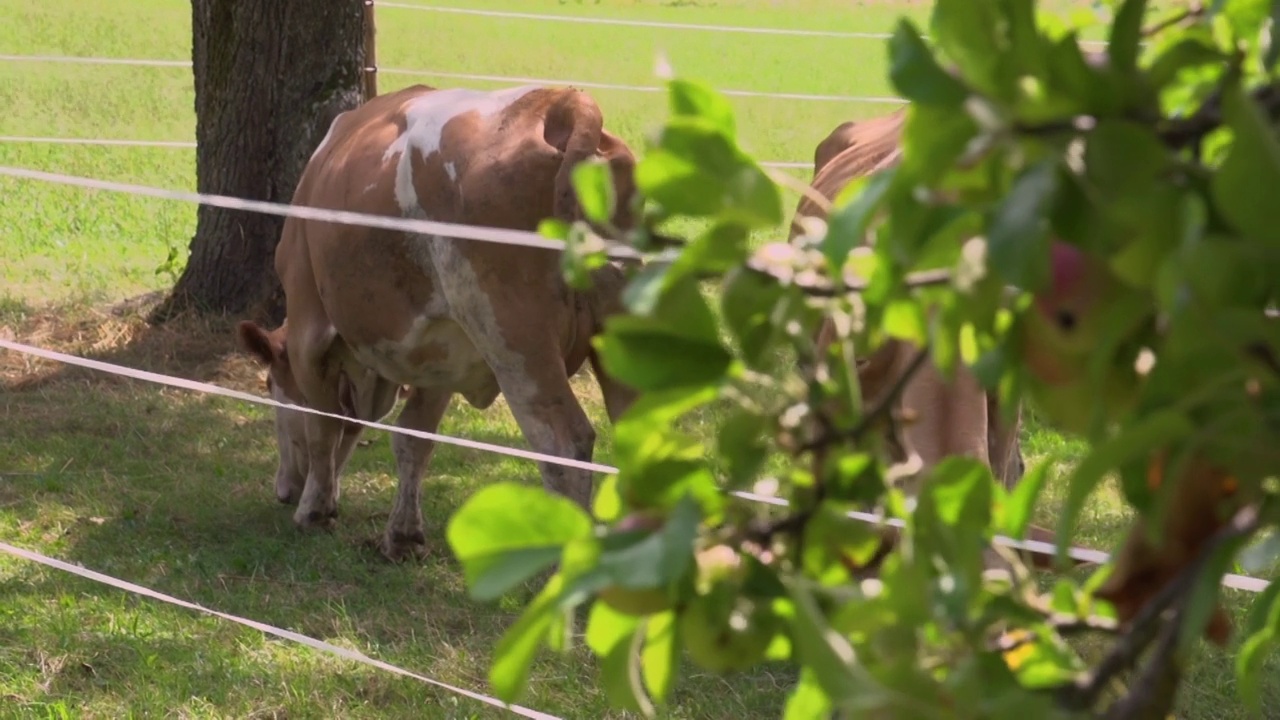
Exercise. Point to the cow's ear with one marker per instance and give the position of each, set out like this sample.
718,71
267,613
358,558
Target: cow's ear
267,347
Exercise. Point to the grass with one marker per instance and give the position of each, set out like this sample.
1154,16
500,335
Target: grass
172,490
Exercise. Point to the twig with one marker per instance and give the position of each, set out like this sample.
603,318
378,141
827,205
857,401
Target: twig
920,279
1155,688
1084,693
1064,625
879,411
1194,11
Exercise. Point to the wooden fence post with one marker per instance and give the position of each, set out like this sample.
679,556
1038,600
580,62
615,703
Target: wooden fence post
370,85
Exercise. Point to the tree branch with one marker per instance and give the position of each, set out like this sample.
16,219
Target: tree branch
1194,11
825,289
878,412
1152,694
1064,625
1144,629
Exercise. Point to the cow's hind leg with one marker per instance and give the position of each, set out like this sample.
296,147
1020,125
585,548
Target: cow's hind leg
554,423
404,535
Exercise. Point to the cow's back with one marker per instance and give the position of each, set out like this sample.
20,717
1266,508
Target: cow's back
457,156
848,152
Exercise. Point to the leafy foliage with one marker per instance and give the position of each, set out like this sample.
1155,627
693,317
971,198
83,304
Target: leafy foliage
1124,201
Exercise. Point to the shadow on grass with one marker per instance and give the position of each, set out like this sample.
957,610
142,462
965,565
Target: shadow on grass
172,490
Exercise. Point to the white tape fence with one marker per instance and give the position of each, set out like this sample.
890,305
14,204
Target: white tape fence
475,77
190,144
1239,582
265,628
655,24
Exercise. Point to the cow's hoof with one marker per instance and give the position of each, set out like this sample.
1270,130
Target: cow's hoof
317,519
288,490
399,546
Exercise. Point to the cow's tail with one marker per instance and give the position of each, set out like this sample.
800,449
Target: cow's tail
574,126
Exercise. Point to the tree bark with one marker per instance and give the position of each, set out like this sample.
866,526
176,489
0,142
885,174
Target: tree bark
270,77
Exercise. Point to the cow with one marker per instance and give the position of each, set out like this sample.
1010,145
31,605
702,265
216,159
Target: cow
950,418
369,310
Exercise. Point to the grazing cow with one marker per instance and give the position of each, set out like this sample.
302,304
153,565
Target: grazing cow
370,309
959,418
956,418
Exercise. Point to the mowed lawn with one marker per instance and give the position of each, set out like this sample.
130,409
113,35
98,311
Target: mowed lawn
172,490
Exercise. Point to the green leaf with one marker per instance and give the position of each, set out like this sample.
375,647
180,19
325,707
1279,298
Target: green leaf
905,319
509,673
916,74
678,184
832,539
1262,634
807,699
747,302
1042,663
722,247
968,31
506,533
933,139
696,170
620,675
1017,251
651,356
847,225
593,184
1246,18
1186,53
1151,432
661,656
695,99
1122,155
961,490
607,504
1205,593
1020,505
1264,613
607,628
659,558
662,292
1126,34
583,253
1243,186
830,656
743,444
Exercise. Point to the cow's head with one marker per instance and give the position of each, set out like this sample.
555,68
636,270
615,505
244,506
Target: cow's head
268,347
362,394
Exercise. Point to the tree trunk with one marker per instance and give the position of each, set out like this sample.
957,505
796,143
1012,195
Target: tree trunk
270,76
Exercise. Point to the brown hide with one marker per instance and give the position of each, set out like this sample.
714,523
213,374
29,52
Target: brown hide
956,418
440,315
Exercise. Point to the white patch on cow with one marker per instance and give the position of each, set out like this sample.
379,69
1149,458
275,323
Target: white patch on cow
452,171
370,187
425,119
455,363
475,313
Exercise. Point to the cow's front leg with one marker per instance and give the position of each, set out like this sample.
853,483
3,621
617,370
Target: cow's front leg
319,503
404,536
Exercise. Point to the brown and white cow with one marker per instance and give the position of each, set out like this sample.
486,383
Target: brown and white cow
950,418
370,309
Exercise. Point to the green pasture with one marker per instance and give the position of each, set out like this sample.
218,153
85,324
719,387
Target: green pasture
172,490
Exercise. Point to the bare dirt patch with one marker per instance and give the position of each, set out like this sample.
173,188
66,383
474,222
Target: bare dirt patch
191,346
